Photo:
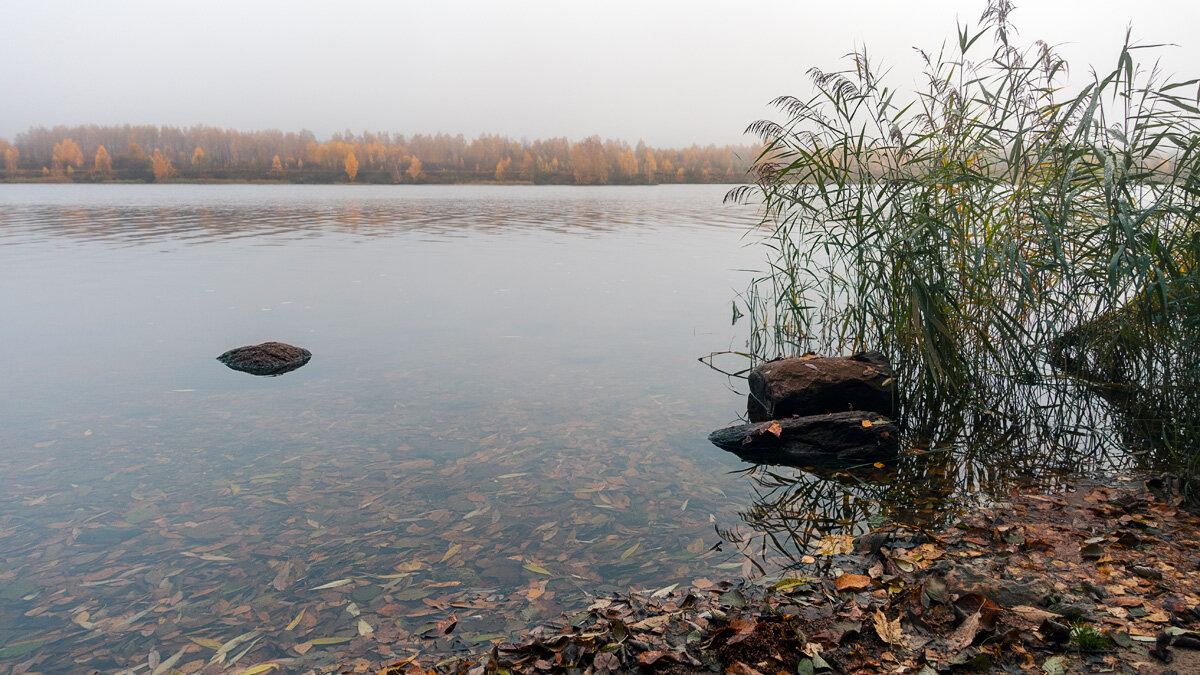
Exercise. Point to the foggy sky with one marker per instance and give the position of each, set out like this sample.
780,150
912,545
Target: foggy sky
670,72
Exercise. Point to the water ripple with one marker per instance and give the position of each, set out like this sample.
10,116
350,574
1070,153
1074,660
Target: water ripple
136,215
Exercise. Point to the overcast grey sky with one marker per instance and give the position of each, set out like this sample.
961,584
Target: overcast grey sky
670,72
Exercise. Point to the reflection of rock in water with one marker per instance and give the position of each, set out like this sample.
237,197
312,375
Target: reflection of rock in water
842,438
268,358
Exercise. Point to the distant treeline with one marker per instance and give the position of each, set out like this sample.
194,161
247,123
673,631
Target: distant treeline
160,153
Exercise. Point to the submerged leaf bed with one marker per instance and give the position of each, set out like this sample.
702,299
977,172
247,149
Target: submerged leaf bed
219,559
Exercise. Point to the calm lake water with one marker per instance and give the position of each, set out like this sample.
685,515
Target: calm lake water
504,417
504,413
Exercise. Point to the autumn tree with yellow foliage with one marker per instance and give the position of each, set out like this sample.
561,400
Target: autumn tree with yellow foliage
414,169
9,154
66,155
103,163
161,165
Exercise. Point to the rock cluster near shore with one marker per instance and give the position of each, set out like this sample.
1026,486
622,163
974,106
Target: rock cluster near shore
268,358
816,410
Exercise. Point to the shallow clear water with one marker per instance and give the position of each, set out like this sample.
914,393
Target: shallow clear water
503,417
503,391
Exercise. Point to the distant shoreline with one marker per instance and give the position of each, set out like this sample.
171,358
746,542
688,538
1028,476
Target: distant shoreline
202,154
266,181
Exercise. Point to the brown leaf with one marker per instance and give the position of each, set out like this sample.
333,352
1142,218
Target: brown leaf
972,603
744,629
653,624
964,635
888,631
852,582
283,578
775,428
606,661
653,656
1124,601
1032,614
536,589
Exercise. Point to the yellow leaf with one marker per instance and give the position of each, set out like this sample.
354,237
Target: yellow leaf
867,423
791,582
630,551
451,552
206,642
296,620
836,544
538,569
878,465
332,584
260,668
227,647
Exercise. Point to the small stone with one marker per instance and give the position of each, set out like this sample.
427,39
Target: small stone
268,358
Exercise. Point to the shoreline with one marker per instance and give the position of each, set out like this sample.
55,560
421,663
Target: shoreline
1098,578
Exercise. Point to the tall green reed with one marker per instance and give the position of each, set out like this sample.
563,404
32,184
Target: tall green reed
992,233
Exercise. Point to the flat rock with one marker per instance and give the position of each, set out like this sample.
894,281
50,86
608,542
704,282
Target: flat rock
815,385
268,358
843,438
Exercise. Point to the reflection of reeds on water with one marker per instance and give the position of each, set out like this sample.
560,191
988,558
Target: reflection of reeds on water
1026,257
926,486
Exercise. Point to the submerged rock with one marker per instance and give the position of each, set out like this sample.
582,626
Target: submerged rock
845,438
268,358
815,385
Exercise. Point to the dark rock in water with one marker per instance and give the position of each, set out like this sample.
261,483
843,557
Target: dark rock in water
844,438
269,358
814,385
